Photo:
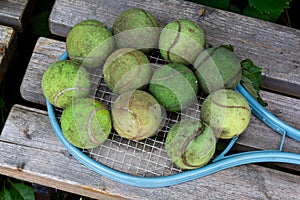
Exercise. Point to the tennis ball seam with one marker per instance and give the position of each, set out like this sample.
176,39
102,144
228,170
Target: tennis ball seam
227,106
137,74
55,99
89,125
175,40
197,133
233,79
139,133
210,54
149,17
176,72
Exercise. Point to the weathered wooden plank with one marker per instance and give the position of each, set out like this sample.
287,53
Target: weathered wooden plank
46,52
257,135
43,164
274,47
11,13
7,47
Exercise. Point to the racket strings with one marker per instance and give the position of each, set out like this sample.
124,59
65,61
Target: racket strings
146,158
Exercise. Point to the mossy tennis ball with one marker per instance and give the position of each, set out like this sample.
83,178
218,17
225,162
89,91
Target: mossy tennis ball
181,41
136,28
86,123
174,86
227,112
126,69
64,80
89,42
190,144
217,68
136,115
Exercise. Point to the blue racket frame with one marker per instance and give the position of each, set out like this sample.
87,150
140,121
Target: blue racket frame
219,163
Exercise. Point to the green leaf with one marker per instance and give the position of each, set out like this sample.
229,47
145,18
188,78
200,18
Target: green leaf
252,79
40,24
221,4
5,194
227,46
252,12
267,9
234,8
2,103
268,6
21,191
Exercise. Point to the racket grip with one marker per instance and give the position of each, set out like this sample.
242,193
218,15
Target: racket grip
267,117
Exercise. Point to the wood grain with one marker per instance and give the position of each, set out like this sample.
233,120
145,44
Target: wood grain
7,48
11,13
46,162
257,135
274,47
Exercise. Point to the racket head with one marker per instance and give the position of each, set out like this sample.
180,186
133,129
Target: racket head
145,163
145,158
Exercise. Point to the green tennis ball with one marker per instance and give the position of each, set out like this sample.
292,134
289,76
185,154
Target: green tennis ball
227,112
64,80
136,115
174,86
136,28
190,144
126,69
86,123
89,42
217,68
181,41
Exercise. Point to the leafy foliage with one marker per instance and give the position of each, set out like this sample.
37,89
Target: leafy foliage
252,79
40,24
268,10
221,4
13,189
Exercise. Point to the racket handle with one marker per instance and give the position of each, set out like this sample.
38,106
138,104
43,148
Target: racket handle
268,118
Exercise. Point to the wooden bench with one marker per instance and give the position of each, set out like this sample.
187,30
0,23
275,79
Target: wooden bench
12,13
30,151
273,47
39,157
8,41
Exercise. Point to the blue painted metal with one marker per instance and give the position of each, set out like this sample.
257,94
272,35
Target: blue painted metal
220,163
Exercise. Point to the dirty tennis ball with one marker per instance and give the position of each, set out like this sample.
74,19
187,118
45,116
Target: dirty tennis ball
174,86
89,42
64,80
227,112
216,68
181,41
190,144
86,123
136,115
126,69
136,28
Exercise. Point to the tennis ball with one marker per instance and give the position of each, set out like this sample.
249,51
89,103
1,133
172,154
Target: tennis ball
86,123
136,115
181,41
89,42
217,68
136,28
227,112
190,144
126,69
174,86
64,80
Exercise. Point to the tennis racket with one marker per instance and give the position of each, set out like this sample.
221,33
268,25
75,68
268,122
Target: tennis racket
146,164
